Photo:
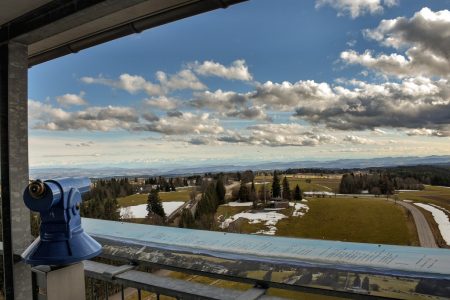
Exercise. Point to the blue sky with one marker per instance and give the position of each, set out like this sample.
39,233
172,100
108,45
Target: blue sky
259,81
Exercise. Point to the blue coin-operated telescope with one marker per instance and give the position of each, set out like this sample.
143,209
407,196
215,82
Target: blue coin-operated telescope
62,241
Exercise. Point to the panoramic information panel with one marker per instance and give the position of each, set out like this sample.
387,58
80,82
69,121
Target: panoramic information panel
370,258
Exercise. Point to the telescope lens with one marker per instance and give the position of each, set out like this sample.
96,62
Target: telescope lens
36,189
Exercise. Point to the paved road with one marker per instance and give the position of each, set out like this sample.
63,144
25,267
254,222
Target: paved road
426,237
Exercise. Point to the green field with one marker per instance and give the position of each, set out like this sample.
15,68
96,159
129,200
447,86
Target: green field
352,220
431,194
362,220
136,199
327,184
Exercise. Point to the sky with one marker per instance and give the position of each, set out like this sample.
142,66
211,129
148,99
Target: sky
259,81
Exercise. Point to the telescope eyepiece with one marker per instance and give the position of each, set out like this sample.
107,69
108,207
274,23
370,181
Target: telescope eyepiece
36,189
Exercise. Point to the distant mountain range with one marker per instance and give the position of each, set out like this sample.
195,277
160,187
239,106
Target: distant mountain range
332,164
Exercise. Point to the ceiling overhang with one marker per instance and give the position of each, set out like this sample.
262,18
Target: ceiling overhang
60,27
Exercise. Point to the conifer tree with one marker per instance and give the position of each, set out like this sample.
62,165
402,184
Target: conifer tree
186,220
357,281
286,189
297,193
208,203
111,210
366,284
244,193
220,190
253,197
154,204
276,188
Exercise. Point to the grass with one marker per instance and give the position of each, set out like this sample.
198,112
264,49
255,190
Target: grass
431,194
137,199
361,220
352,220
328,184
228,211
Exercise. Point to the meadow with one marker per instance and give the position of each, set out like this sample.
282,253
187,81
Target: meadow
437,195
137,199
306,182
372,220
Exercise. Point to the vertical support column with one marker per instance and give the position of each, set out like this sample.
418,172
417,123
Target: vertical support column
14,167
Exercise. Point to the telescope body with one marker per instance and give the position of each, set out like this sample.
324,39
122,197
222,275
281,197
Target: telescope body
62,240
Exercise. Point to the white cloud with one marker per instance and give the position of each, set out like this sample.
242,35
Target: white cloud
229,104
110,118
286,96
411,103
429,132
44,116
185,79
127,82
425,37
71,99
238,70
162,102
378,131
183,123
277,135
356,8
357,140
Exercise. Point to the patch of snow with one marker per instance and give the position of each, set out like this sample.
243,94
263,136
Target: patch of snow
239,204
441,208
271,231
300,209
407,201
270,218
441,219
140,211
170,207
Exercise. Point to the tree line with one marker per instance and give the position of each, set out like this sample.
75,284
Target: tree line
248,193
101,201
377,183
213,195
426,174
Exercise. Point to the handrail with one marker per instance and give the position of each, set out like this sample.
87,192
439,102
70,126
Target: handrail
316,266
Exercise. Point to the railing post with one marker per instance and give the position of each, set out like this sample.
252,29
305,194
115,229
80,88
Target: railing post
14,167
106,291
91,288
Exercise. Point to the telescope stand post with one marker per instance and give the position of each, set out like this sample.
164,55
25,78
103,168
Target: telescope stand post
55,283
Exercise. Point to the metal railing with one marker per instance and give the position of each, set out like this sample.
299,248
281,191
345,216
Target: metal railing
126,276
133,252
346,270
